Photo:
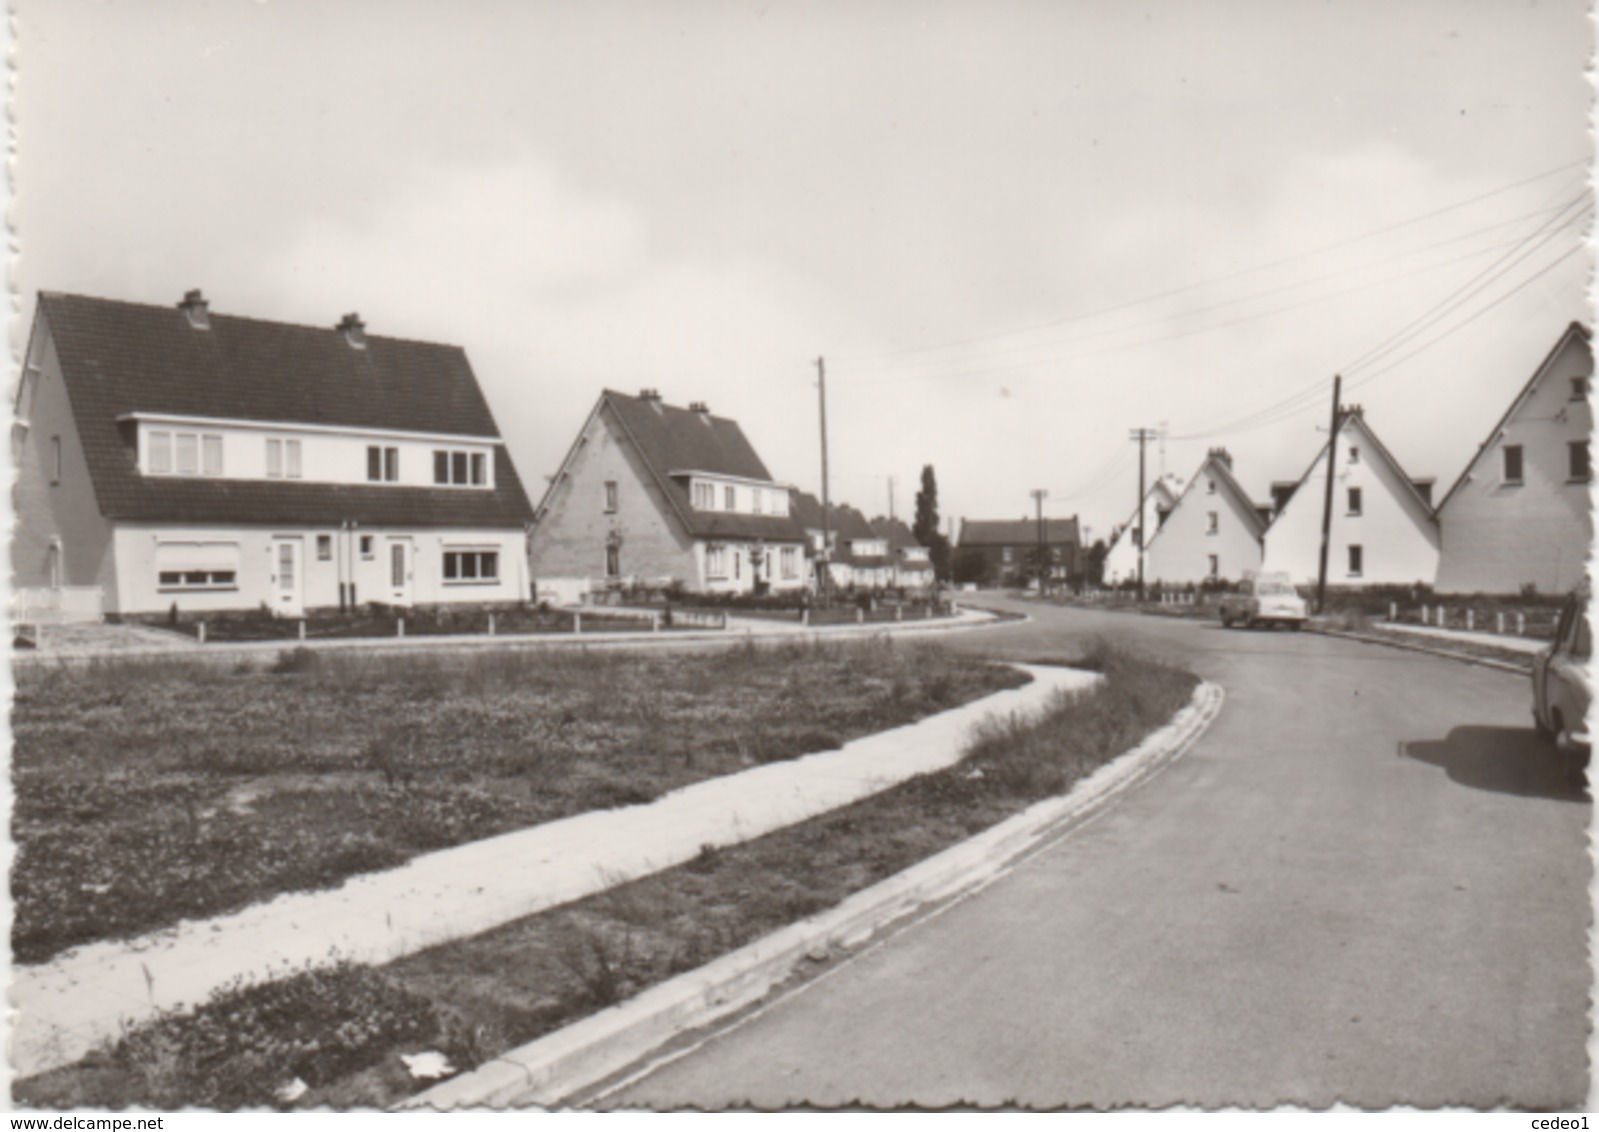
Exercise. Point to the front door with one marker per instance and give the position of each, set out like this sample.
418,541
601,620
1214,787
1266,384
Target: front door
288,582
401,555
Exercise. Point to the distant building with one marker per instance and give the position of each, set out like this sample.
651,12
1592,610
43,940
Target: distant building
1121,557
912,562
1211,533
1521,513
1382,530
175,458
1004,552
653,494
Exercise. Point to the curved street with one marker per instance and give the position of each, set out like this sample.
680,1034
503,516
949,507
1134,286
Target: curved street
1366,884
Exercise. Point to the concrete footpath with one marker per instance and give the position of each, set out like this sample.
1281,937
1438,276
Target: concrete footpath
65,1008
1529,645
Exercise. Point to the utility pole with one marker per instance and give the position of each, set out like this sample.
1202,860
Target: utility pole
1043,561
1326,505
1143,436
891,497
824,583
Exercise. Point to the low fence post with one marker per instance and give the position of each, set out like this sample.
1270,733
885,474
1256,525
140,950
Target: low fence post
302,629
491,623
860,616
577,621
805,617
1521,624
655,622
899,613
1393,611
1499,622
201,637
1471,620
399,626
1424,615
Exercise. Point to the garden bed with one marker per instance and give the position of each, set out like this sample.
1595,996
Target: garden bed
153,790
390,621
473,999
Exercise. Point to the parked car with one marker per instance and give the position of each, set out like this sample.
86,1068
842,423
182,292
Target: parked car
1562,685
1265,599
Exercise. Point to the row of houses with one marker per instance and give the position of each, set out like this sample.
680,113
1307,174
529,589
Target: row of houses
1518,517
177,458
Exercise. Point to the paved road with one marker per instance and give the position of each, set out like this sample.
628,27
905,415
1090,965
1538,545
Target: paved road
1366,884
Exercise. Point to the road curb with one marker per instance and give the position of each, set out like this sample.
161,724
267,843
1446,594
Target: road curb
574,1058
1485,662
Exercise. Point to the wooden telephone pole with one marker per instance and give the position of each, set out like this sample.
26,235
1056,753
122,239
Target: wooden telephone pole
1143,436
1327,499
1038,494
824,583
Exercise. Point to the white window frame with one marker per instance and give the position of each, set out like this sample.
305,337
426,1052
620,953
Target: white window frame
729,497
185,454
274,457
158,457
790,561
211,462
715,561
1356,559
462,467
611,493
368,548
470,566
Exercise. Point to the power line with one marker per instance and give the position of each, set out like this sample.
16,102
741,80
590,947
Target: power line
1227,278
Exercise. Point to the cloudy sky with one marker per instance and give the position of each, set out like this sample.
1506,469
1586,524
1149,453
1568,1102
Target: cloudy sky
1016,229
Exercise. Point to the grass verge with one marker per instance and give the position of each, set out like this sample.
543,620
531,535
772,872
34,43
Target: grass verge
153,790
509,986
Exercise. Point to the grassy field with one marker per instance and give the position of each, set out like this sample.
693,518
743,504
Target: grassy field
476,998
148,791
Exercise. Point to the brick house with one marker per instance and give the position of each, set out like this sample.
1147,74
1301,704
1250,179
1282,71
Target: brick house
1521,513
1004,552
654,494
170,457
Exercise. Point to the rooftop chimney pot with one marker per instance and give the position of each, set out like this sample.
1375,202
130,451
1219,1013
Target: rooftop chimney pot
198,310
353,329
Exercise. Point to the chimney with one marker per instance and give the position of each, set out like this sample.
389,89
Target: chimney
649,394
1224,456
698,407
198,310
353,329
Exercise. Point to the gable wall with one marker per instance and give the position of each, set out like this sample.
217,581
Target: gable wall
1181,552
66,510
568,538
1399,545
1499,537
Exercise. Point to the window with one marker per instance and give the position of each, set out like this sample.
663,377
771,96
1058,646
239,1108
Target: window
716,561
1005,555
274,458
610,495
459,468
1212,522
186,450
1210,487
1577,458
366,547
790,561
738,563
1579,389
1215,565
196,566
1354,501
210,455
159,458
283,458
755,500
382,464
1356,560
704,497
613,562
1354,453
729,498
1512,463
324,548
55,459
291,459
471,567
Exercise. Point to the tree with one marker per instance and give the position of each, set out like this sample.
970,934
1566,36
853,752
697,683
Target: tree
925,527
1094,568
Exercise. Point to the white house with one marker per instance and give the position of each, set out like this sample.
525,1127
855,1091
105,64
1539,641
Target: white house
1212,531
1381,529
172,457
653,493
1521,514
1121,557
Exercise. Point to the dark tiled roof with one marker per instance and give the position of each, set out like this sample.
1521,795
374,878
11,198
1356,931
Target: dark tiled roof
1017,532
896,531
120,358
673,439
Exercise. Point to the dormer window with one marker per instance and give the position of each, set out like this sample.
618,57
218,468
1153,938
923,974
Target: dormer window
459,469
382,464
704,497
1579,389
730,498
282,458
183,453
